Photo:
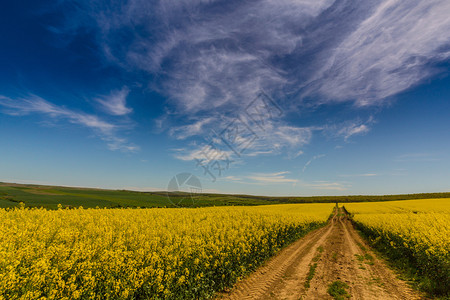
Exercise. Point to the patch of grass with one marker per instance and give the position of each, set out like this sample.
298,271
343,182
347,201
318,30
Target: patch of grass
369,259
312,268
338,291
361,246
377,281
9,198
317,257
312,271
359,257
334,256
368,256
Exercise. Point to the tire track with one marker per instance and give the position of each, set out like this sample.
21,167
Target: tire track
260,284
346,257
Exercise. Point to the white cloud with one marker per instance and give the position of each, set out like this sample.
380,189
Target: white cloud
257,153
34,104
273,138
277,138
326,185
269,178
417,157
213,57
298,153
311,160
359,175
348,129
232,178
293,136
115,102
116,143
209,54
204,59
390,50
282,178
206,153
353,129
195,128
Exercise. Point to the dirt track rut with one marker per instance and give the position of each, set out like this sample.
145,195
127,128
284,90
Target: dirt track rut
339,254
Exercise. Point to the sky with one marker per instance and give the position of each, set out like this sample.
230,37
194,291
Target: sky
306,97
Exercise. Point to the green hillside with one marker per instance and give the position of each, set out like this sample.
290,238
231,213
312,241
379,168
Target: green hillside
50,196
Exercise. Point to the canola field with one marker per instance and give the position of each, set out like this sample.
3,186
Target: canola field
142,253
415,234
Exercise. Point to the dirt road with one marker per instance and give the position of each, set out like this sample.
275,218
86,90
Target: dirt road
305,269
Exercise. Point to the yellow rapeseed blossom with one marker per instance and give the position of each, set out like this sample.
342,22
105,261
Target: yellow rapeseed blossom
142,253
417,230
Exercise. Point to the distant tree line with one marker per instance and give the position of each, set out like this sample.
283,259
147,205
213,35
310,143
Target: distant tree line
314,199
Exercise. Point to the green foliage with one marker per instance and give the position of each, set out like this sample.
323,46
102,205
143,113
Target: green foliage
338,291
427,274
50,196
359,257
312,271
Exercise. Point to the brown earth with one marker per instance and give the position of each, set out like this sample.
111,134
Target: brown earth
339,254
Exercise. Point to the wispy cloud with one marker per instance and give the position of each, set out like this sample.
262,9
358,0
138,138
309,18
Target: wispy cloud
207,153
392,48
353,129
212,53
326,185
262,178
257,153
274,138
283,178
232,178
34,104
115,102
359,175
193,129
417,157
269,178
311,160
348,129
213,57
278,138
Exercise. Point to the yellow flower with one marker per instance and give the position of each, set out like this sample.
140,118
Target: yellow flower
85,253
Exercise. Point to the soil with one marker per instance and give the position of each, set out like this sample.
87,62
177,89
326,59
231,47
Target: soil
338,254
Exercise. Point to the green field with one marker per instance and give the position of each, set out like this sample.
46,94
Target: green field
50,196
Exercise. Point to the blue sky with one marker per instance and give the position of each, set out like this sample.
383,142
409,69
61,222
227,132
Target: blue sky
258,97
